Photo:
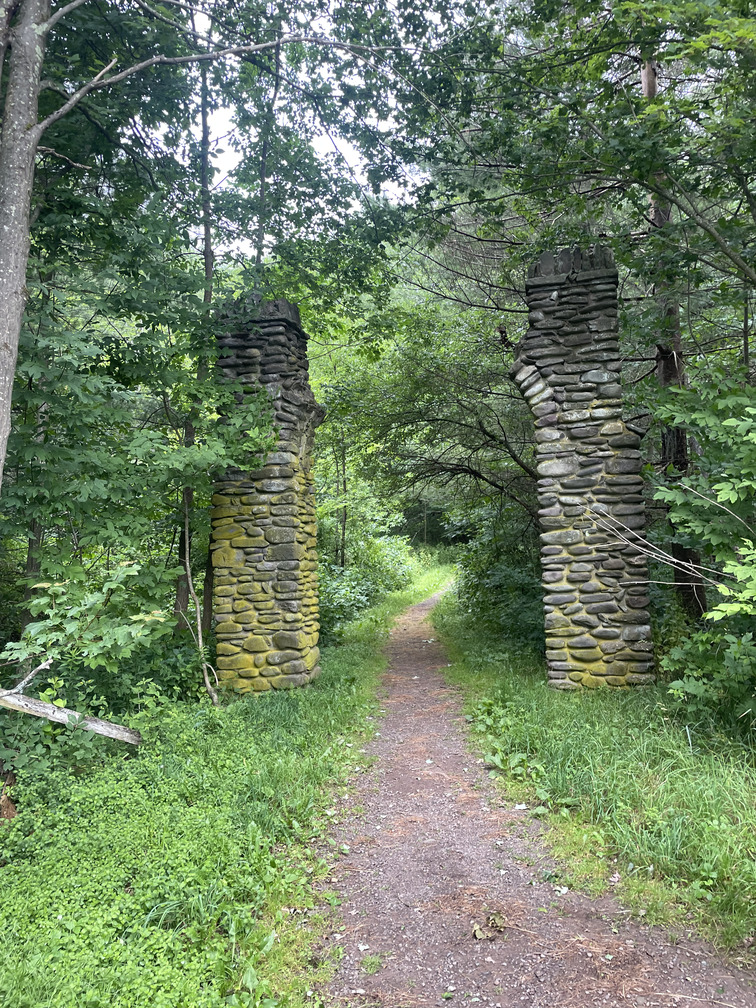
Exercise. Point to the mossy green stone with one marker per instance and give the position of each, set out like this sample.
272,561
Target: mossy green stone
228,628
227,649
256,643
227,531
237,662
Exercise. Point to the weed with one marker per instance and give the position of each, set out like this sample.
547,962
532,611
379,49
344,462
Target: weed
371,963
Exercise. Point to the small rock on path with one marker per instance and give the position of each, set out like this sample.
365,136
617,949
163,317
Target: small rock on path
435,859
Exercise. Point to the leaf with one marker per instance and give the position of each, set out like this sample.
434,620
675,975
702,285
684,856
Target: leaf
497,920
249,978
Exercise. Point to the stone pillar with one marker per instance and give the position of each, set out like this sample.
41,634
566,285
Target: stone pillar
265,597
591,507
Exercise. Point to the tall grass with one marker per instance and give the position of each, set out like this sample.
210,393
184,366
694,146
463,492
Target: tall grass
622,783
176,878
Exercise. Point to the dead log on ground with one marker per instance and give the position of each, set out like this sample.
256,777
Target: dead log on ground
40,708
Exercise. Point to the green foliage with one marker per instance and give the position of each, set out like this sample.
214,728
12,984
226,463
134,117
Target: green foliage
157,878
499,577
167,878
34,747
717,679
437,409
714,503
357,510
109,655
371,964
668,804
741,591
713,671
378,565
86,626
108,385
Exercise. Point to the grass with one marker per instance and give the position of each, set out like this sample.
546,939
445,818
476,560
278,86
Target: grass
371,964
625,793
180,877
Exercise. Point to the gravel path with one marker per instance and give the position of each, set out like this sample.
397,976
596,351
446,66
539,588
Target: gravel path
445,899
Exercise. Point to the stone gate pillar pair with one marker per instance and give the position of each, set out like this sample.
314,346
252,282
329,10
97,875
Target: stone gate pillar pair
591,507
265,599
590,493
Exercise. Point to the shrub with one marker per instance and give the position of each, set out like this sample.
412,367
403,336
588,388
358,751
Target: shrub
717,678
499,579
379,564
157,879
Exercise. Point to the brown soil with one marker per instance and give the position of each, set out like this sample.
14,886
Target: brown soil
445,883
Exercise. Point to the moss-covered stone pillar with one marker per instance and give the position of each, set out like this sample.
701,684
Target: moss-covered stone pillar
265,596
590,490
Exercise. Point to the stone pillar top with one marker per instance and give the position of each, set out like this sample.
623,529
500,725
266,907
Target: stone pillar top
574,264
280,308
251,309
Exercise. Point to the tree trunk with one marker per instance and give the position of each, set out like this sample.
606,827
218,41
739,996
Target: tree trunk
181,603
341,487
18,146
181,606
746,336
32,570
207,232
670,370
207,595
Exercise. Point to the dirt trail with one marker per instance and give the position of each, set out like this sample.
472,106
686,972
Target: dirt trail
434,855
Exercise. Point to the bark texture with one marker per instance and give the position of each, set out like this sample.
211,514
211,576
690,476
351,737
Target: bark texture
18,146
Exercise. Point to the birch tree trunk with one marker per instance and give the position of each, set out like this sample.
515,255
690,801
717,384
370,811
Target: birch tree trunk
18,145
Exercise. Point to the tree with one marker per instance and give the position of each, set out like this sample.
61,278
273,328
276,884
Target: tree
27,35
572,123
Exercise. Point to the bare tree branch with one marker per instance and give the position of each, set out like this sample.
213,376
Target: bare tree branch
54,153
23,683
101,81
60,13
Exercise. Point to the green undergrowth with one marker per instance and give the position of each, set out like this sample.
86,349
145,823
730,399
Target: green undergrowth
178,875
632,802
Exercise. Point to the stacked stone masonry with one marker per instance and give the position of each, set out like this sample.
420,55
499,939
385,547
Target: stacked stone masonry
591,506
265,596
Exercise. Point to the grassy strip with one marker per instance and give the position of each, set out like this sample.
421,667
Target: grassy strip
175,878
628,797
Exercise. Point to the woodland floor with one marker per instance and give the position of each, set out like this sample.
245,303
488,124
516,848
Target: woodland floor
444,889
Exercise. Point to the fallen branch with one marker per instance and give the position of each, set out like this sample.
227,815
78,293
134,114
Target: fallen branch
40,708
23,683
